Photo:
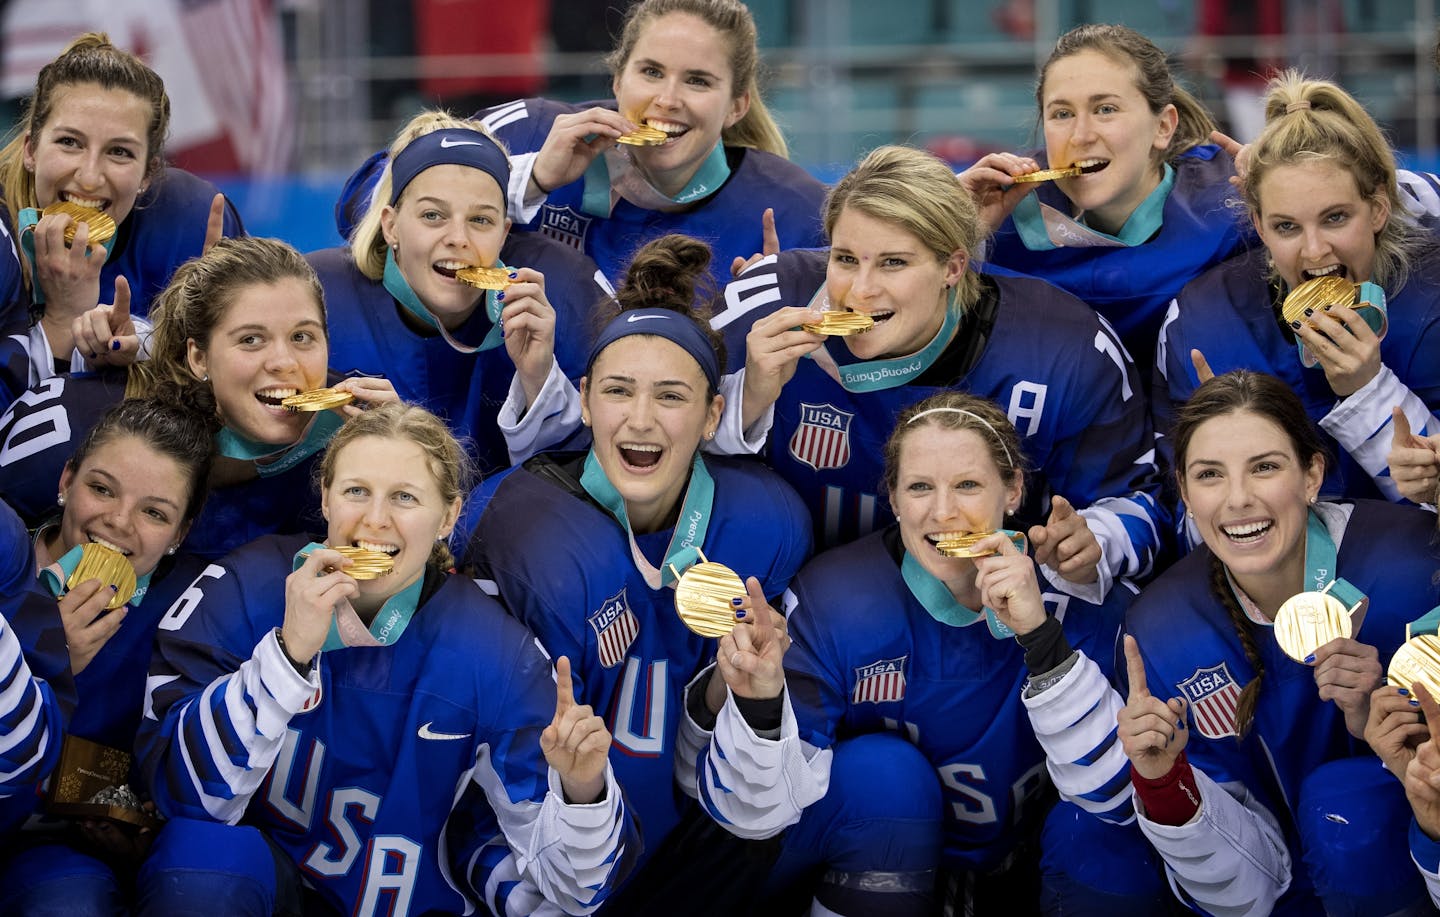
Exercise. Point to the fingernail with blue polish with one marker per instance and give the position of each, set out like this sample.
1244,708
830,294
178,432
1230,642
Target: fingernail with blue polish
739,614
1309,312
114,345
1309,659
500,295
1414,703
737,601
513,275
1295,325
1403,692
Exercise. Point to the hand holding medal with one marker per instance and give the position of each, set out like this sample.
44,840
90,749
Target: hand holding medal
1006,581
1315,628
348,397
311,594
102,582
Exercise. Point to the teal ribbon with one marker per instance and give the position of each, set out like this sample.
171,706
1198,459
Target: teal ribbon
1427,624
1033,221
1320,564
877,375
29,216
690,528
232,445
935,597
1370,304
389,622
598,196
58,574
398,287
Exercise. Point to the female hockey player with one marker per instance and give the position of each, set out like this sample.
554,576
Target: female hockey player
896,642
1250,777
386,736
1321,191
397,308
586,549
247,323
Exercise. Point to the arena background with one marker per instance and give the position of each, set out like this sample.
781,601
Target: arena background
277,100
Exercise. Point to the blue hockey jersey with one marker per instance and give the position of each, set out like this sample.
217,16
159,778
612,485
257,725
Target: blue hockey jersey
403,779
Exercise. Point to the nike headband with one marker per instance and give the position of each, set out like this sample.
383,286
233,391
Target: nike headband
675,327
449,147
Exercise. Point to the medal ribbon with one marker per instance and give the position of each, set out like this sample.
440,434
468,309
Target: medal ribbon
694,520
1043,227
1319,573
58,574
877,375
317,435
1429,624
937,599
346,628
613,175
399,288
1371,306
29,216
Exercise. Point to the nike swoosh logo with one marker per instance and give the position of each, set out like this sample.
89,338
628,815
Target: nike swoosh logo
446,143
427,733
640,318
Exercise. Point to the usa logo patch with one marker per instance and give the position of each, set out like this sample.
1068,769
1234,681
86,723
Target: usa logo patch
1213,695
563,224
616,627
822,440
880,682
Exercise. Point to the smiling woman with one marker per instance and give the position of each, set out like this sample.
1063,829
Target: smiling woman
1321,191
687,68
93,135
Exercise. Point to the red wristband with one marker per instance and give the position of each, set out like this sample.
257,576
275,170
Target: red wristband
1172,799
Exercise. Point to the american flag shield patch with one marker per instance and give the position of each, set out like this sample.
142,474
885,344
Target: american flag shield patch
563,224
880,682
616,627
822,439
1213,696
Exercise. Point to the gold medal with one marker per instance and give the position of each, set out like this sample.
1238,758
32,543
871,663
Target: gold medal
1318,295
484,278
102,227
1417,660
320,399
1046,175
705,598
842,322
963,545
366,564
644,135
108,566
1308,621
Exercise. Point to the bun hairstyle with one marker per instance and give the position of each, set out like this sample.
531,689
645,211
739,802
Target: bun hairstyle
672,272
1316,121
178,421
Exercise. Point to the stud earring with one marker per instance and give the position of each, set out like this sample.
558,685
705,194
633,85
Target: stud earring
709,434
171,549
59,499
1189,514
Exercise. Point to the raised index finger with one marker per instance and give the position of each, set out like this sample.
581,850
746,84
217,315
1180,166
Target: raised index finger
215,224
771,243
1403,438
120,309
1135,665
1429,708
1202,366
564,686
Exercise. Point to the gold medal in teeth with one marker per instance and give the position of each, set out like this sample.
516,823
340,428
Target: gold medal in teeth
102,227
320,399
1308,621
1417,660
110,567
842,322
484,278
365,563
1046,175
704,598
964,545
644,135
1317,295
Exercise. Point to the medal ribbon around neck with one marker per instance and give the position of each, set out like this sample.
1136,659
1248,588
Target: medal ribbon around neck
317,434
877,375
690,528
613,175
399,288
57,575
1320,555
935,597
29,216
346,628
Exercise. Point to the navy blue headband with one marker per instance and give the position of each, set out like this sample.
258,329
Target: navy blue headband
672,326
462,147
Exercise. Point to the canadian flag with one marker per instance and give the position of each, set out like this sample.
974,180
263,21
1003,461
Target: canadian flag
222,62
